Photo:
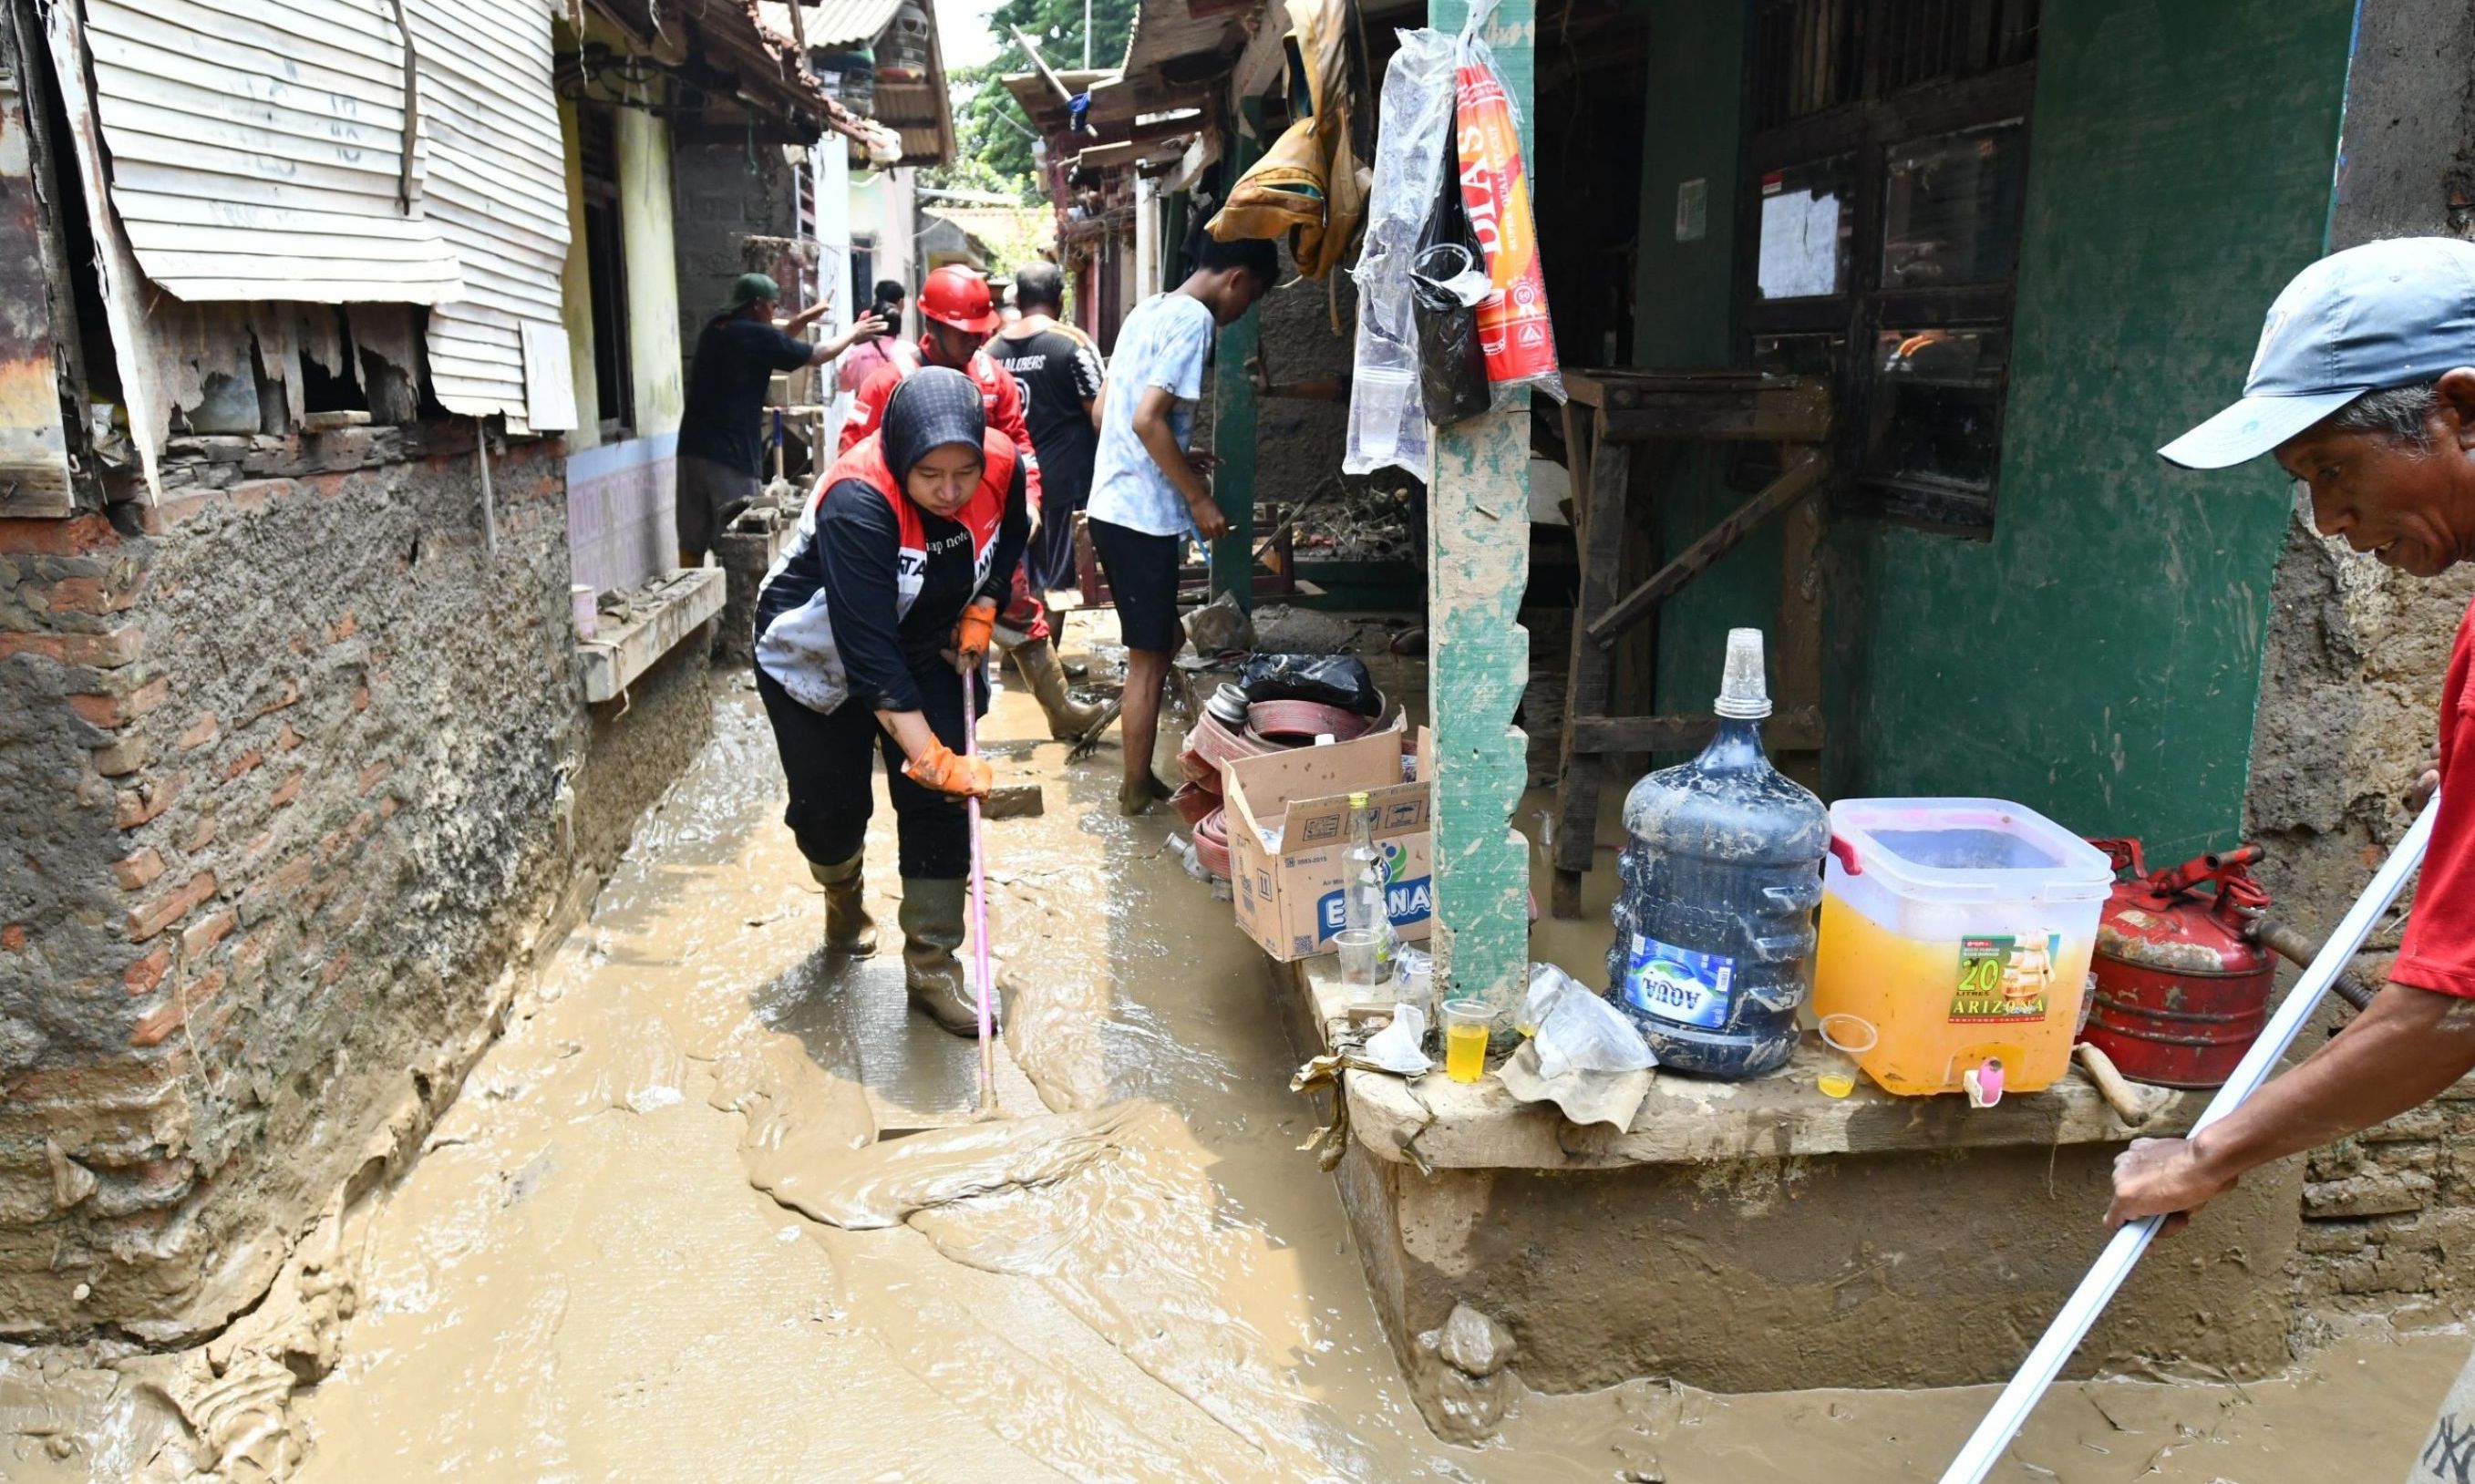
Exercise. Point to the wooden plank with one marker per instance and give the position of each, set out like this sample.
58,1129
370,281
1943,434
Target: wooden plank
1796,649
1793,484
1797,729
1478,567
1743,422
1601,477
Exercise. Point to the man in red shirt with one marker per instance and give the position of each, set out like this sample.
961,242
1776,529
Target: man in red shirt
957,319
2363,387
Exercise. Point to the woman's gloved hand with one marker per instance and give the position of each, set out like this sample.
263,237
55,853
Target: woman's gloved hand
948,772
971,636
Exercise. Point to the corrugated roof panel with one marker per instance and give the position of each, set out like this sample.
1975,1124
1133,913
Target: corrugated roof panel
835,24
258,144
497,189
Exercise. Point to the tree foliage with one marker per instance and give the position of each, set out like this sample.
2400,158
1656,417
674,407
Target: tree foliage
992,137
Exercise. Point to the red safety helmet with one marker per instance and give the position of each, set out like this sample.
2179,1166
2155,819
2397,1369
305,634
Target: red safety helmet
954,294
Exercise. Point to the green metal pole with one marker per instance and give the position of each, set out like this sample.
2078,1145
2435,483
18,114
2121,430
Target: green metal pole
1478,566
1234,426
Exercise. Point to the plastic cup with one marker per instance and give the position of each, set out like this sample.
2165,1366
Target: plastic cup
1362,957
1414,973
1851,1037
1465,1023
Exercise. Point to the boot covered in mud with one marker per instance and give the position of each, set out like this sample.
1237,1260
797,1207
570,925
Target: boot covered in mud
1068,718
848,928
932,932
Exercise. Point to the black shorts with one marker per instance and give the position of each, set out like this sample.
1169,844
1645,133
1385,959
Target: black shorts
1142,569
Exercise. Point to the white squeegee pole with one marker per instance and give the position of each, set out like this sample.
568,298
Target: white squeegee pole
2010,1410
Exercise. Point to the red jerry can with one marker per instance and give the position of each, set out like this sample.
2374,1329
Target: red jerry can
2180,993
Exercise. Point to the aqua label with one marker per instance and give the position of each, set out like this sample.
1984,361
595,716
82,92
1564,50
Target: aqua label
1677,984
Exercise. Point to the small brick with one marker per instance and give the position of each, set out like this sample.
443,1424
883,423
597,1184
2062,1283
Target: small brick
109,710
242,764
334,969
201,732
287,738
186,1002
199,937
95,651
290,876
134,871
120,758
371,776
144,922
361,698
72,537
287,791
143,975
343,628
77,595
202,837
258,494
171,513
388,807
12,937
143,805
289,695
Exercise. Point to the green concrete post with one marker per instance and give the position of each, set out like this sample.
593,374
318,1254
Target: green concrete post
1478,566
1234,426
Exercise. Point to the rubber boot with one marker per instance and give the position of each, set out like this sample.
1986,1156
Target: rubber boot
932,930
848,928
1068,719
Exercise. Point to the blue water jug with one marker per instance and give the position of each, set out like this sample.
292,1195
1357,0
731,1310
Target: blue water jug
1721,871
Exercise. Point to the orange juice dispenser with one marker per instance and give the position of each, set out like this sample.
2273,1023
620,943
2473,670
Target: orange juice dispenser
1958,931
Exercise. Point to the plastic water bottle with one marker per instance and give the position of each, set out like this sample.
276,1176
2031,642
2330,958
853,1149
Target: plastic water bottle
1365,903
1721,871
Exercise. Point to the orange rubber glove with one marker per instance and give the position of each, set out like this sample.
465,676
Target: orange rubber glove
972,635
948,771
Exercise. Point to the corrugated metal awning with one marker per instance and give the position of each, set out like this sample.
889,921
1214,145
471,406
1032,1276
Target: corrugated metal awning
497,193
258,150
836,24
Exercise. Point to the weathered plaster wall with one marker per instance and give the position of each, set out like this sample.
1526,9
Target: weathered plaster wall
575,292
646,232
300,778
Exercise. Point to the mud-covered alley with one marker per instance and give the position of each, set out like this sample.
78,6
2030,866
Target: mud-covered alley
1712,804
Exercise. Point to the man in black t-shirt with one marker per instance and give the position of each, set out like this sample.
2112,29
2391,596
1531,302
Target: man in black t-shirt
1059,372
720,428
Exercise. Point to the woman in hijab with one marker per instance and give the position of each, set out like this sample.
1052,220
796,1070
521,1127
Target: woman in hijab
867,631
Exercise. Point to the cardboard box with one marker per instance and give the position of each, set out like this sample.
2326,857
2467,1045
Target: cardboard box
1289,838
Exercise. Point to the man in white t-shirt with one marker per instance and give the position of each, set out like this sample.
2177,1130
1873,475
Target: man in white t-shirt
1147,491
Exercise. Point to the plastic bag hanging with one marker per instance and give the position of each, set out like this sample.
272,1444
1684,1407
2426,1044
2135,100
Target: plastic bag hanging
1387,425
1513,324
1448,282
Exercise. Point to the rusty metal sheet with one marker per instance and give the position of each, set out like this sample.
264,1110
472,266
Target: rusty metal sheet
34,449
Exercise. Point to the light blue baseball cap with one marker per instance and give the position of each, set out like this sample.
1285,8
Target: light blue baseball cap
2385,314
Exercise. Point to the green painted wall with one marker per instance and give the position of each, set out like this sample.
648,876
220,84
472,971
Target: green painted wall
1684,316
575,292
645,240
2099,659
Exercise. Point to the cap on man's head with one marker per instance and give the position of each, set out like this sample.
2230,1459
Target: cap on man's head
2382,315
749,289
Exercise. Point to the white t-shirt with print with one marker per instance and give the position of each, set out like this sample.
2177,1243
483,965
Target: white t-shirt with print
1163,343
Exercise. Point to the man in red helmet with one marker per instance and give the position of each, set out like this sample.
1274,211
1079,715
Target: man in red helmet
956,320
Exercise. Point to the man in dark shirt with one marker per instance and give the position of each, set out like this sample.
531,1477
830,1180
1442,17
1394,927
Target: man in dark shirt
720,428
1059,372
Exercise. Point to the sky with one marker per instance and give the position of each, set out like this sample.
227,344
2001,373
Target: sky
963,32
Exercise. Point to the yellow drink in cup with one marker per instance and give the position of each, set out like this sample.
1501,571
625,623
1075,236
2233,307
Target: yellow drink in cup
1465,1039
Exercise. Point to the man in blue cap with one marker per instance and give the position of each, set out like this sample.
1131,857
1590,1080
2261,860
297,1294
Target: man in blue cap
2364,389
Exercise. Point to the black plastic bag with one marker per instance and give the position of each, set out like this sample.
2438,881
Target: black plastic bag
1451,364
1330,679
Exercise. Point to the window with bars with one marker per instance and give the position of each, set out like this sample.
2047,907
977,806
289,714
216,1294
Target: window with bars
1887,151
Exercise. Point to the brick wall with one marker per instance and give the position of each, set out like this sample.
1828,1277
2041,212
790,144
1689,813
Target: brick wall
2389,1219
290,762
718,198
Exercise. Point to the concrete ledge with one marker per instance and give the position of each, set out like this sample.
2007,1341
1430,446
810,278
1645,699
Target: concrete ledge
1436,1123
676,605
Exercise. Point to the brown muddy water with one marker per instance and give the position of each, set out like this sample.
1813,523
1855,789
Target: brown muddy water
659,1235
